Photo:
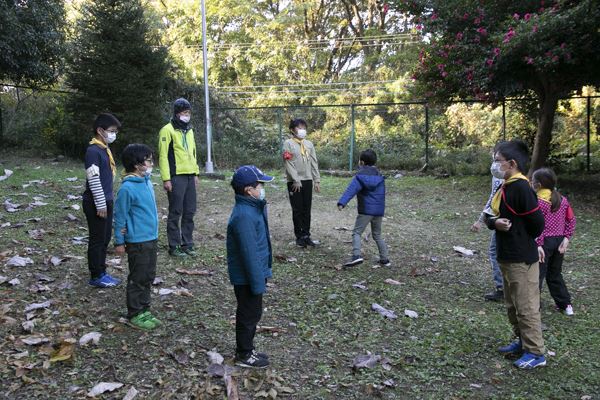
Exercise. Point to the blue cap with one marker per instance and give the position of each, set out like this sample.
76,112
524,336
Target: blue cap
247,175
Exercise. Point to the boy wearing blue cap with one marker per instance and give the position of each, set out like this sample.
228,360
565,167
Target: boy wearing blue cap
249,259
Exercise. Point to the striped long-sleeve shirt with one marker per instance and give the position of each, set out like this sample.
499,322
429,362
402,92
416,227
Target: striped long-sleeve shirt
99,177
496,183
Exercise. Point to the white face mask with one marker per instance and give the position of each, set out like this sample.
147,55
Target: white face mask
148,171
262,194
184,118
110,137
496,171
301,134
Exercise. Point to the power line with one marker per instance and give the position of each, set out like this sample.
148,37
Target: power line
304,84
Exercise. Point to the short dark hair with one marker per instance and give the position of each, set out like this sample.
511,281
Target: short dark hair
297,122
368,157
240,189
105,121
135,154
516,150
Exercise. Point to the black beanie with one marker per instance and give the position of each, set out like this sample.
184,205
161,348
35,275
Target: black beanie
181,105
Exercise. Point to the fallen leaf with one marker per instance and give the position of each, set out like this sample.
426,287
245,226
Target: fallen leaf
131,393
36,306
18,261
216,370
75,207
393,282
165,291
11,207
71,217
33,220
383,311
463,251
410,313
73,179
232,387
365,361
359,286
103,387
219,236
56,261
214,357
194,271
37,203
180,356
63,353
3,279
158,281
93,337
72,197
7,174
14,282
269,329
389,383
33,340
28,326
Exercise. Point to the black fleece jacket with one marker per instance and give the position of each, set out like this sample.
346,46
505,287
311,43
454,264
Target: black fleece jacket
518,244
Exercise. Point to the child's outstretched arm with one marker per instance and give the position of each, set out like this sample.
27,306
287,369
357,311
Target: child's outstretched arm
353,188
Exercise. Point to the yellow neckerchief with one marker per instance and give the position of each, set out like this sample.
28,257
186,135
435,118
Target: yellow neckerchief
100,143
495,206
545,194
302,147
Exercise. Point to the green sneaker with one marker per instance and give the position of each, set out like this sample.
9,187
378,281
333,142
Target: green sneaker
178,252
142,321
190,251
150,317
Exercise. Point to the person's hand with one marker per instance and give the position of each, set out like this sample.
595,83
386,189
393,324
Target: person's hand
120,250
563,246
503,224
296,186
102,213
168,186
340,207
541,254
196,180
317,187
123,231
476,226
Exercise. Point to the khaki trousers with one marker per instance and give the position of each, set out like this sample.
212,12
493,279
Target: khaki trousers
522,298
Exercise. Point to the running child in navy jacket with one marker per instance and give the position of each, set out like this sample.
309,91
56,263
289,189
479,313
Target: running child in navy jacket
368,185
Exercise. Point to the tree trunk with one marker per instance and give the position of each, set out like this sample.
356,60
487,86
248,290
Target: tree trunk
545,119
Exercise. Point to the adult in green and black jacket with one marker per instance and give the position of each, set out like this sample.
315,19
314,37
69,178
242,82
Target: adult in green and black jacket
179,172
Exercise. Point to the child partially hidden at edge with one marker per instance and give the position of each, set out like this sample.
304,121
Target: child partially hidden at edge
517,219
136,231
249,260
553,242
368,185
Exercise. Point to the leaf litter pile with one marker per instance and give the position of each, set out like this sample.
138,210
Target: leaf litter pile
419,328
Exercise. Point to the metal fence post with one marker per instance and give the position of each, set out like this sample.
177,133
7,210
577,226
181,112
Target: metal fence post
426,135
589,109
503,119
352,136
280,124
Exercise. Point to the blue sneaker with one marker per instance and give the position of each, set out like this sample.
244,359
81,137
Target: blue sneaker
530,361
514,347
104,281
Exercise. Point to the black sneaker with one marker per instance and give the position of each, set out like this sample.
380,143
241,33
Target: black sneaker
300,242
496,295
385,263
252,361
310,242
260,355
355,260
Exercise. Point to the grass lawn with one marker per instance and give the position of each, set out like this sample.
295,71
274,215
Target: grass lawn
315,321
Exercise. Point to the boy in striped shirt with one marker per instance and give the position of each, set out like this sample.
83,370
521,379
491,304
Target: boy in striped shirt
100,170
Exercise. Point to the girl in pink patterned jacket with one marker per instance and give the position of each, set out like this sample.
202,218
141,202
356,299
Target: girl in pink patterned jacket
554,240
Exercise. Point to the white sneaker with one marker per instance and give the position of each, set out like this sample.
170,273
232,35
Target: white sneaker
569,310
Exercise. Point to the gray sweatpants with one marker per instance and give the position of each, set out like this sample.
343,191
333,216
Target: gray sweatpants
360,225
182,207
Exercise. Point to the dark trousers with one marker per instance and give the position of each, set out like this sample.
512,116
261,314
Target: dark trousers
247,315
100,230
142,271
182,207
301,204
551,270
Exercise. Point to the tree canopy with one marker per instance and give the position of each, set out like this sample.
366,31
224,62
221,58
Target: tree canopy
492,50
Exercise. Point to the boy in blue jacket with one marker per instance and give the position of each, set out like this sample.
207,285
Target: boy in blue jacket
136,231
369,187
249,259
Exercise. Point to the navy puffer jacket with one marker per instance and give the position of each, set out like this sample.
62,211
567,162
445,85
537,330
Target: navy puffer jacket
369,187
